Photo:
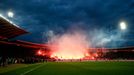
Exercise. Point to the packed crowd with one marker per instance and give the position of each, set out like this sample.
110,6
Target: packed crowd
26,60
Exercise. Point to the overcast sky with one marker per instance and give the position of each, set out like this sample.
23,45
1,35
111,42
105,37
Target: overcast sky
98,18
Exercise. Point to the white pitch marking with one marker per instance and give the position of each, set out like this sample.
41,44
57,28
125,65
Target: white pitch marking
31,70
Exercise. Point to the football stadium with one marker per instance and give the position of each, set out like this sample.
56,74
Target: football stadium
42,47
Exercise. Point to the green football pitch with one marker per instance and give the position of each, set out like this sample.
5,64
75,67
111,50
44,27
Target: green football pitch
70,68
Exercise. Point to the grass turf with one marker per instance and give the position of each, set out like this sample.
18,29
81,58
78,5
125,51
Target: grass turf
75,68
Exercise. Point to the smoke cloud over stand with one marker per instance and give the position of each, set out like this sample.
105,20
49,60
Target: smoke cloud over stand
71,45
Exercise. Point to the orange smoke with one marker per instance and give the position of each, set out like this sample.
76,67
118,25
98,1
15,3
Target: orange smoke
69,46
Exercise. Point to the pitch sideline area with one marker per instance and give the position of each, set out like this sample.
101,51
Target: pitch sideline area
72,68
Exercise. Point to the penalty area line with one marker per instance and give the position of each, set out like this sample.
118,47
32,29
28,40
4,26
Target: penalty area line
31,70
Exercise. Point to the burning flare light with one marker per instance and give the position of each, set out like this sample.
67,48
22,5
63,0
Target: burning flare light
69,46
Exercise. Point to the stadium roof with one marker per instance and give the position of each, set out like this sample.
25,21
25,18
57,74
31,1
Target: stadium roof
15,44
8,29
